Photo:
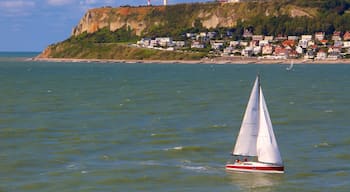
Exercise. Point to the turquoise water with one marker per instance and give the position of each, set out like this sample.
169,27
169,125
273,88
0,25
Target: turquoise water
169,127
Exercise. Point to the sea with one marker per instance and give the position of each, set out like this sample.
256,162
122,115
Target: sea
166,127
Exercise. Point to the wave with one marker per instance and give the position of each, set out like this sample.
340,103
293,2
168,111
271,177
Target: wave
323,144
186,148
219,126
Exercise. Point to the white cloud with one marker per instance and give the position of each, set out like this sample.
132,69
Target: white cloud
59,2
16,8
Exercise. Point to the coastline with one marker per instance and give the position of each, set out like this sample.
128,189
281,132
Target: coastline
218,60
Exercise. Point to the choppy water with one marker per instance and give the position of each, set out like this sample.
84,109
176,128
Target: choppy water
151,127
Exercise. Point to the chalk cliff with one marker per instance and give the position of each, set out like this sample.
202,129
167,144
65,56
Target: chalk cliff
210,15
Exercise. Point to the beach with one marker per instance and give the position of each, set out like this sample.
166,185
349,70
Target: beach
217,60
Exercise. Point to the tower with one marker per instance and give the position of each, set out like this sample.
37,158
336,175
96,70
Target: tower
149,2
165,2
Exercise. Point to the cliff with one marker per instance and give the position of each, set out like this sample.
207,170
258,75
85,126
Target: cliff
210,15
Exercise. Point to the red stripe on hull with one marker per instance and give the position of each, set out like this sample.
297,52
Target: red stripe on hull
255,168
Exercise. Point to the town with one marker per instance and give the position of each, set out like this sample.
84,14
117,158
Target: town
318,46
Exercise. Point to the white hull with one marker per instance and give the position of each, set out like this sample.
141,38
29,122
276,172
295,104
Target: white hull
254,167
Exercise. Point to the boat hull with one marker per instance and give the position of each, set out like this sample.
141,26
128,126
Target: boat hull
254,167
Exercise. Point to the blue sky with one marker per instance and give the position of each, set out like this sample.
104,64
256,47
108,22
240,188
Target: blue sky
31,25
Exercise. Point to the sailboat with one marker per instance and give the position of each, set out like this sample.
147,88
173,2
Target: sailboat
290,67
256,142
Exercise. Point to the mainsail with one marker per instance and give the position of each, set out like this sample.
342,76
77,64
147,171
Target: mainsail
247,137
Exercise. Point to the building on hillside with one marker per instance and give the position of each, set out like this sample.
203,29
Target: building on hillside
179,43
216,45
281,37
299,50
292,37
234,43
269,38
247,52
289,43
263,42
281,52
321,55
306,37
319,36
197,44
164,41
336,36
346,44
247,33
258,37
346,36
267,49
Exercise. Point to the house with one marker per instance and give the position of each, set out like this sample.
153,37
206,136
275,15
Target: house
293,54
306,37
144,42
324,42
334,50
164,41
311,43
281,52
267,49
228,50
336,36
346,36
197,44
257,37
234,43
216,45
243,43
289,43
338,43
268,38
211,35
346,44
294,38
248,51
247,33
256,50
299,50
321,55
303,43
319,36
179,43
309,54
191,35
263,42
281,37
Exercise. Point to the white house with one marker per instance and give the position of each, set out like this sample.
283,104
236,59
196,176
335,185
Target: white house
164,41
319,36
306,37
197,44
267,49
321,55
346,44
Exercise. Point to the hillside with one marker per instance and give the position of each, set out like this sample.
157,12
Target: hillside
127,24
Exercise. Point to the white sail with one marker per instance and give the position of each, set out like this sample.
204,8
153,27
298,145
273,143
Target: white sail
267,148
247,137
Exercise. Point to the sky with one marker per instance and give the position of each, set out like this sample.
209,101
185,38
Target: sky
32,25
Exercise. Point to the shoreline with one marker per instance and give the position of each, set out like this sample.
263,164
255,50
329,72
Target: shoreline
218,60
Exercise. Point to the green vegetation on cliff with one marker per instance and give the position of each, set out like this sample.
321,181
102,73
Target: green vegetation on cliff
89,50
